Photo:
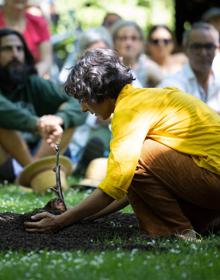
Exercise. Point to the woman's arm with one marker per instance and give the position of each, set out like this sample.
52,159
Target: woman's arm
116,205
45,221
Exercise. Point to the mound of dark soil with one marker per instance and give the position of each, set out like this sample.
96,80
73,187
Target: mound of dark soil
115,231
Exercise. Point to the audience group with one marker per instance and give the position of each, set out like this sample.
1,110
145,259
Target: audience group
35,30
33,108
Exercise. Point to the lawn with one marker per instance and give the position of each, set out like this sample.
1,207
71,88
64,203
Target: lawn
168,259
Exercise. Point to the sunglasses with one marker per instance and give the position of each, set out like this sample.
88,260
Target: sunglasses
158,42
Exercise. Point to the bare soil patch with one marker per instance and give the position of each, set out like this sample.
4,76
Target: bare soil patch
114,231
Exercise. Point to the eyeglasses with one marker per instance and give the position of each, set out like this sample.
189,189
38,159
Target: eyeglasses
197,47
132,38
158,42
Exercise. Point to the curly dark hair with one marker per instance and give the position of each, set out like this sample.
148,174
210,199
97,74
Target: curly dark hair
98,74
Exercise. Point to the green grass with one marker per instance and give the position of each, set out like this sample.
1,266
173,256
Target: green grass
168,259
15,199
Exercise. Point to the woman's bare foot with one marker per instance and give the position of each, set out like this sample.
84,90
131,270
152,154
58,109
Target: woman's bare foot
189,235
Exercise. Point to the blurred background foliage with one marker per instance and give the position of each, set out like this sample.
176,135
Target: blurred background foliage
90,13
75,16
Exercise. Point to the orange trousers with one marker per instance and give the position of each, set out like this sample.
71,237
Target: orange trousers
170,194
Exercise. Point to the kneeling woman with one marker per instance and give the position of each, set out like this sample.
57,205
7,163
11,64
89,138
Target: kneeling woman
164,156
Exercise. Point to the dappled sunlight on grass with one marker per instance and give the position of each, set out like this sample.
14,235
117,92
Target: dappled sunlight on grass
179,262
163,259
18,200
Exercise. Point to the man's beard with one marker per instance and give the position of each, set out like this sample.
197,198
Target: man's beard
14,74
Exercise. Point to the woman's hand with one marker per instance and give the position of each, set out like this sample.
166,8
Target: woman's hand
43,222
46,222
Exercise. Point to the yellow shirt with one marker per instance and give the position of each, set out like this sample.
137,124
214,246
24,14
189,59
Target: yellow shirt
168,116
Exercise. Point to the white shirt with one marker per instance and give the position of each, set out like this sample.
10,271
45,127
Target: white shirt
136,82
186,81
216,64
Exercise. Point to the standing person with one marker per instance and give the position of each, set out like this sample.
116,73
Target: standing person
199,77
160,47
35,30
164,156
31,105
128,40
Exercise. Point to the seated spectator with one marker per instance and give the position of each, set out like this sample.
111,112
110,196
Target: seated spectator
212,16
95,38
91,140
91,38
110,19
30,104
198,77
160,47
35,30
128,40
